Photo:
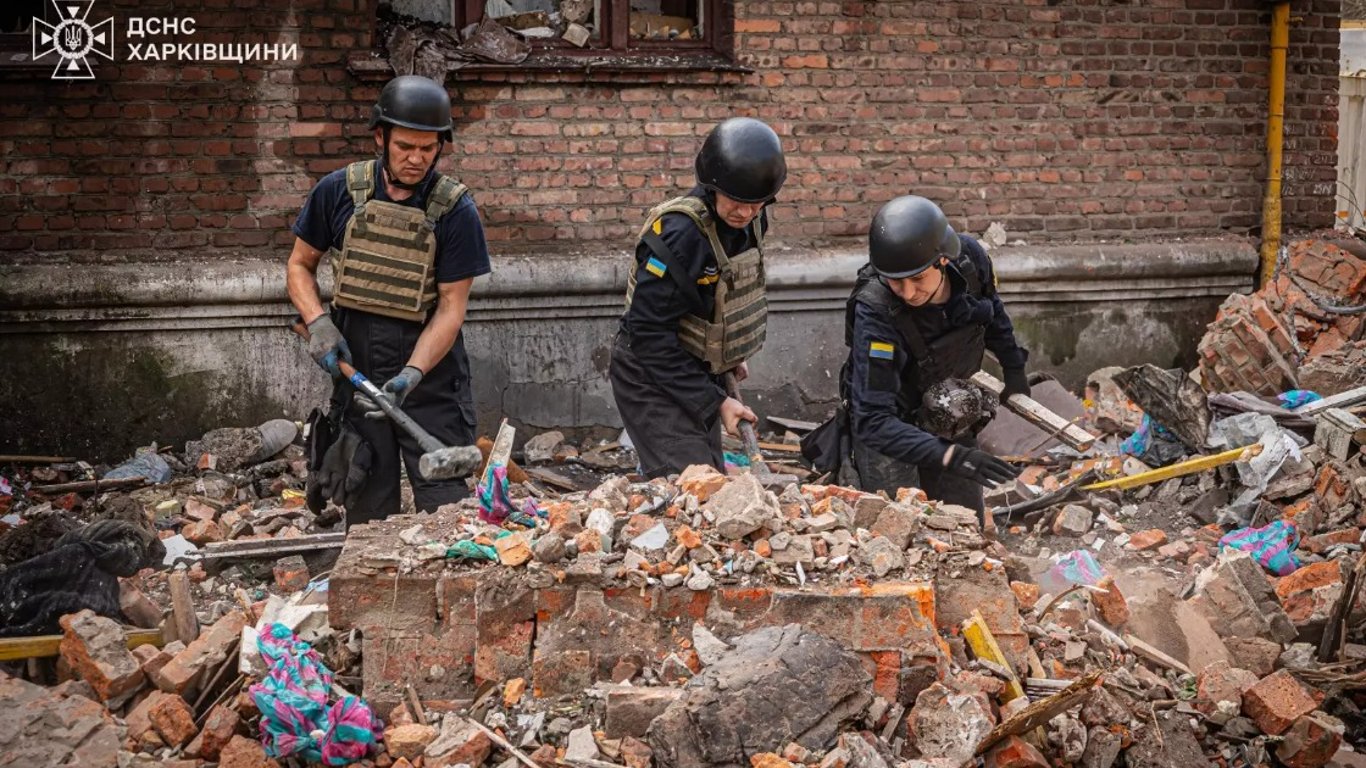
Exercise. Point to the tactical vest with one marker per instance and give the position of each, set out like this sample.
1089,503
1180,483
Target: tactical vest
738,323
387,263
956,354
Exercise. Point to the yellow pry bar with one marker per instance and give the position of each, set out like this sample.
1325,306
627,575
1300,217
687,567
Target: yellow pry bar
1179,469
984,646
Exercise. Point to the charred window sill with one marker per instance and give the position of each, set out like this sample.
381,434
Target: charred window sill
682,67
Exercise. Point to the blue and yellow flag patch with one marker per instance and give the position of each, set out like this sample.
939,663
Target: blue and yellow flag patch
656,267
881,350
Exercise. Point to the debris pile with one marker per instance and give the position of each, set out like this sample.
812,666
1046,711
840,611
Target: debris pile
1186,591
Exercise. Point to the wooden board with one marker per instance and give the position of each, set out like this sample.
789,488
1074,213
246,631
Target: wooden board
1350,397
1030,410
40,646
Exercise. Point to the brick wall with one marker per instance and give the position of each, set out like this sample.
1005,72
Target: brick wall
1072,120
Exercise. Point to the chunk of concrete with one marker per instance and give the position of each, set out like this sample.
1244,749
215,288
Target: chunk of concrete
778,685
96,649
1239,601
742,507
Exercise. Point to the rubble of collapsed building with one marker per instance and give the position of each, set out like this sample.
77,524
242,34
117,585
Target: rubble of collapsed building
1185,592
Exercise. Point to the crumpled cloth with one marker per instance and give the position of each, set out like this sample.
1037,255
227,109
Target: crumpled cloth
295,716
497,507
1272,545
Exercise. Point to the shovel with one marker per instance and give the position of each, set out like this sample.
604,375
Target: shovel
750,441
438,462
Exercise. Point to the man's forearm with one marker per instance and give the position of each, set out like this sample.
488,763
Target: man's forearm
302,286
437,338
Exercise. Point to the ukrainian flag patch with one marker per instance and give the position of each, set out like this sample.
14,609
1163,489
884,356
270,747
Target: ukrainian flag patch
656,267
881,350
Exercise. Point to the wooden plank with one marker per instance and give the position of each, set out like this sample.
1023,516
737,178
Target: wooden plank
984,646
502,448
1040,712
1155,655
796,425
41,646
1179,469
9,458
780,447
182,607
551,478
1031,411
264,548
1340,400
85,486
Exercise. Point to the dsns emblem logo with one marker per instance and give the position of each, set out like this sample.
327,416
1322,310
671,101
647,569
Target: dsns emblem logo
73,39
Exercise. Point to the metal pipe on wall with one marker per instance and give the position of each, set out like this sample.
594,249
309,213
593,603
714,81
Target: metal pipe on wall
1275,133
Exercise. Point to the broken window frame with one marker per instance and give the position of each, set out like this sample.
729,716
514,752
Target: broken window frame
14,43
615,46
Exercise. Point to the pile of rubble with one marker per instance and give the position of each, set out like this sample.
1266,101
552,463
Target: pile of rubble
1186,592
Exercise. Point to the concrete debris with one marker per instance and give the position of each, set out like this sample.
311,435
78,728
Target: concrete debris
777,685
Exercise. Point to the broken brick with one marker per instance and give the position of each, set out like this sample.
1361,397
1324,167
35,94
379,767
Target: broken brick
1110,604
408,741
631,710
97,651
513,549
219,728
1145,540
1311,742
701,480
1027,594
1309,577
291,574
242,752
1015,752
1220,682
183,672
1276,701
768,760
688,537
202,532
173,720
1325,541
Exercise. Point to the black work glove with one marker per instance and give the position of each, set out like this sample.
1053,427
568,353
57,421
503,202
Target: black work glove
345,467
980,467
396,389
1017,383
326,345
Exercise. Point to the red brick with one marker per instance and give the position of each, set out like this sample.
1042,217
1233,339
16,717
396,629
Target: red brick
95,648
1276,701
183,674
220,726
242,752
1311,742
1145,540
1110,604
1220,682
1015,752
173,720
1309,577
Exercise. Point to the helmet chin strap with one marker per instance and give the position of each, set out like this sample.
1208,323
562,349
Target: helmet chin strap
391,179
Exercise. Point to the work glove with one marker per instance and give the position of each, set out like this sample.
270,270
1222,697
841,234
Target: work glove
396,389
980,467
1017,383
326,345
344,468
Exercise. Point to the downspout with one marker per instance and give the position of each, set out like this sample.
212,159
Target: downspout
1275,133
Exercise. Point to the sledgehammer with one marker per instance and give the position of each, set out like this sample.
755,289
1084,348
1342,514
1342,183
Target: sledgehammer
438,462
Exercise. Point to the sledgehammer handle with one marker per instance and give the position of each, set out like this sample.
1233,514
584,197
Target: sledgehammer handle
747,436
371,391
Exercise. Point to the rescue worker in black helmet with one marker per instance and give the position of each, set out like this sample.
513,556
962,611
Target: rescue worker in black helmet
406,243
696,306
923,311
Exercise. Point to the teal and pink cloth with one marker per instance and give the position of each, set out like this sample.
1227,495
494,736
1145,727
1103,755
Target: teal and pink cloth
295,716
1273,545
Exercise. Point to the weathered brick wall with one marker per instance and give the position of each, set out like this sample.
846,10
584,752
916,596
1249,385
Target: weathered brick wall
1079,120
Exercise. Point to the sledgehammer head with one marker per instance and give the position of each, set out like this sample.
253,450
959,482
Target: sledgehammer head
448,463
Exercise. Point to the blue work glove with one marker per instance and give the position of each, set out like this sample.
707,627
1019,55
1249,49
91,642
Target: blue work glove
396,389
326,345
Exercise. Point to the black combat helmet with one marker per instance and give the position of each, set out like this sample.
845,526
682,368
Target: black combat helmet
908,236
742,159
416,102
